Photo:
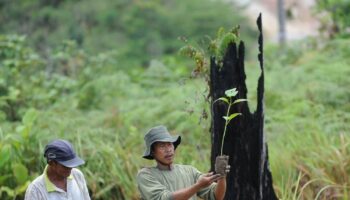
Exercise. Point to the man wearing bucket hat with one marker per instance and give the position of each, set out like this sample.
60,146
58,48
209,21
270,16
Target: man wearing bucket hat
169,181
60,180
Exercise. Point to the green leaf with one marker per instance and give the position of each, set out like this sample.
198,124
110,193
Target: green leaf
2,114
10,192
30,116
225,41
20,128
231,116
4,178
221,32
231,92
20,172
22,188
4,155
239,100
222,99
188,50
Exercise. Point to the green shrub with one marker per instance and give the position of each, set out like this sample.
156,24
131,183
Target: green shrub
19,157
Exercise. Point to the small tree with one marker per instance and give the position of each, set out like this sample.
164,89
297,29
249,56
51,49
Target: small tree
228,117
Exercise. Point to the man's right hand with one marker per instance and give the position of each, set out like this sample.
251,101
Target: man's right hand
207,179
204,181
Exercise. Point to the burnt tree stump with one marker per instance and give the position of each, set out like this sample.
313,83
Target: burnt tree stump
250,177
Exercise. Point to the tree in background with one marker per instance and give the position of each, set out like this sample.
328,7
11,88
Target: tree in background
339,13
138,30
281,22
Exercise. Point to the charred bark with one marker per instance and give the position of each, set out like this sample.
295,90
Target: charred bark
250,177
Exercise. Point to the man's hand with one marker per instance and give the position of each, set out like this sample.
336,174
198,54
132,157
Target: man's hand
204,180
221,165
207,179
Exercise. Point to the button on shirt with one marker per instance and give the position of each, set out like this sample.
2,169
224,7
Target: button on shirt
43,189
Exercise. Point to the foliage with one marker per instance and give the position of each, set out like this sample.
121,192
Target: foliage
338,10
27,80
307,103
104,106
228,100
18,152
96,122
17,63
23,73
306,120
210,48
113,157
138,30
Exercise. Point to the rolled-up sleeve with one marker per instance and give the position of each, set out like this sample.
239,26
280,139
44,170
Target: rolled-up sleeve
150,188
207,193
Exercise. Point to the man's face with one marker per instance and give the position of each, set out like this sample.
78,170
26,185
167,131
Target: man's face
164,152
60,170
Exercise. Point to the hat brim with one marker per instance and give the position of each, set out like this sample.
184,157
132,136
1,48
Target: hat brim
176,140
75,162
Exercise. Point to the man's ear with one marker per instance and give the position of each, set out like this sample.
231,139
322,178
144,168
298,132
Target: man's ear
51,162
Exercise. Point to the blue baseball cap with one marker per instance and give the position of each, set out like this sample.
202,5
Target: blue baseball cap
62,151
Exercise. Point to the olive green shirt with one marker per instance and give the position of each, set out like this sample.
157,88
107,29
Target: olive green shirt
156,184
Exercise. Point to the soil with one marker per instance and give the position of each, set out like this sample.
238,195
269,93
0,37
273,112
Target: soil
220,164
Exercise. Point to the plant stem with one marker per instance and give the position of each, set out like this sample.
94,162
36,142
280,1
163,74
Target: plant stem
226,123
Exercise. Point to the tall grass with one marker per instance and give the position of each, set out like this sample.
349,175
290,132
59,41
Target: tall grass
314,166
110,138
307,124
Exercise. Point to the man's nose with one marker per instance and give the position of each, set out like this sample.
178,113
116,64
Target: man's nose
168,148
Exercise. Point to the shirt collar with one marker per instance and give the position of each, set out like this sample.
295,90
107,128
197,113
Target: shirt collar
165,167
50,187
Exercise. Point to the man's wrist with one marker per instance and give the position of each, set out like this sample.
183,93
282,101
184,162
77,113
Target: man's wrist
197,186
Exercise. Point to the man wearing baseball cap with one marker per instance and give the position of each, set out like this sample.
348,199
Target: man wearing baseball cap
169,181
60,180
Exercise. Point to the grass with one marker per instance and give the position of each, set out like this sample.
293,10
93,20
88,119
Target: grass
306,122
307,125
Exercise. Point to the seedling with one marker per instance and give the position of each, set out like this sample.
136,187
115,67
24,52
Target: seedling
228,117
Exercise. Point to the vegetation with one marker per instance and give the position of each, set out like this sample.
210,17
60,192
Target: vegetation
307,115
228,117
103,100
201,53
335,16
138,30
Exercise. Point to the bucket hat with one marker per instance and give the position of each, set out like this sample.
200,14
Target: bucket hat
159,134
62,151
